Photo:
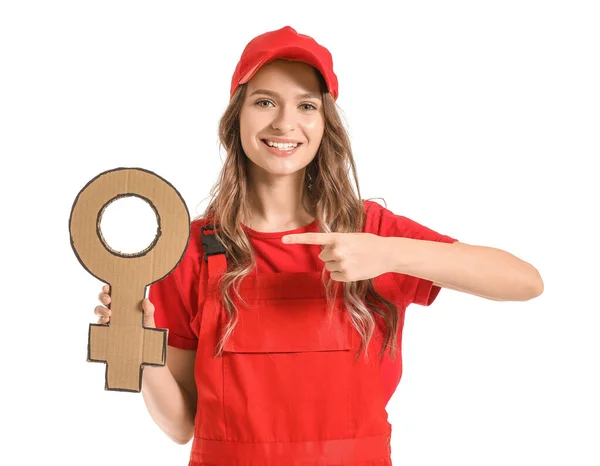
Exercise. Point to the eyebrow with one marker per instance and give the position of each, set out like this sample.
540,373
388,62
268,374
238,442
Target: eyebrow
307,95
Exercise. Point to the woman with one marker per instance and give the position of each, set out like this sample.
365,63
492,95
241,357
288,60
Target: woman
265,334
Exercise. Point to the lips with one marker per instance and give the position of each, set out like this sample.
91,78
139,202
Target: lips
265,142
281,152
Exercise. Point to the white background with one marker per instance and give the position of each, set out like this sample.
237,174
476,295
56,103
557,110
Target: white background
477,119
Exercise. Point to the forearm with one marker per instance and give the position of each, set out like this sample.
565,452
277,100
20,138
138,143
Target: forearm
168,404
480,270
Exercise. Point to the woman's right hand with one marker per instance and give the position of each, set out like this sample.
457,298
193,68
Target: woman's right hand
104,313
101,311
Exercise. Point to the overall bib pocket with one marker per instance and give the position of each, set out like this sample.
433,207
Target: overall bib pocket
286,372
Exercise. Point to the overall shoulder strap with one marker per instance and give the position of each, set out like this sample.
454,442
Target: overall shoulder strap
215,254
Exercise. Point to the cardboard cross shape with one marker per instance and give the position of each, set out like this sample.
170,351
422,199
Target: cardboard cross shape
124,344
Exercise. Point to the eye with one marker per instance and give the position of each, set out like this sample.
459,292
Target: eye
258,102
309,105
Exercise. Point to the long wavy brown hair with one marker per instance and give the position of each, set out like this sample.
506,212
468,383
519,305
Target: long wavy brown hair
332,199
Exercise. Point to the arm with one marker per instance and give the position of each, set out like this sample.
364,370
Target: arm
479,270
170,394
170,391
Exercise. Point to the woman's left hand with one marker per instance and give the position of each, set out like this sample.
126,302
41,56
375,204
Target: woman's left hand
348,256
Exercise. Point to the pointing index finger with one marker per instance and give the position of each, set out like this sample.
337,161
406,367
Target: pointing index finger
309,238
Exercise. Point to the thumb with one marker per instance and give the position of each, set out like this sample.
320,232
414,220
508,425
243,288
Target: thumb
148,309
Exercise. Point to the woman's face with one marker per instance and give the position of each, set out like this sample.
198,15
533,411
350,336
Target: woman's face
275,109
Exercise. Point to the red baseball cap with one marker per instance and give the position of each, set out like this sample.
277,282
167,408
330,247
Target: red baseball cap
284,43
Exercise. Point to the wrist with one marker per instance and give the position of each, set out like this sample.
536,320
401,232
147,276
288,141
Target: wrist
395,253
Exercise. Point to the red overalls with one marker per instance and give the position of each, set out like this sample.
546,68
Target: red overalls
287,390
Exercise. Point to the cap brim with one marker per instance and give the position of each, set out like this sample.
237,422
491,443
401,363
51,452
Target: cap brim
291,54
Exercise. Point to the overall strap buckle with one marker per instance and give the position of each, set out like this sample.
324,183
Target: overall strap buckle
211,243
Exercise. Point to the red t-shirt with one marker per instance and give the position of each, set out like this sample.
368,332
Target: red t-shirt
180,296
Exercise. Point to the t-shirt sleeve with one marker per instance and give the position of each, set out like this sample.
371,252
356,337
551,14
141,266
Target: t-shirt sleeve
175,299
415,290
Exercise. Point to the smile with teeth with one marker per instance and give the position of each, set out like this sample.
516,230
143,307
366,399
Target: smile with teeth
281,146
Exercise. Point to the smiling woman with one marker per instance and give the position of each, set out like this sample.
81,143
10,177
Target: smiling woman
274,330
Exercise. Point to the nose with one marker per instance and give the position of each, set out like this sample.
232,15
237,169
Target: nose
285,119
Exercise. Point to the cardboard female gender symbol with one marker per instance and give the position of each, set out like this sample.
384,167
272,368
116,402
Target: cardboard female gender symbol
124,344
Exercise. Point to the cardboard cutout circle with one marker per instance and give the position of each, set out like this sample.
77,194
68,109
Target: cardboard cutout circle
157,260
124,344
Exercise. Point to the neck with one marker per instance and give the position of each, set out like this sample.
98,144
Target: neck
279,204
